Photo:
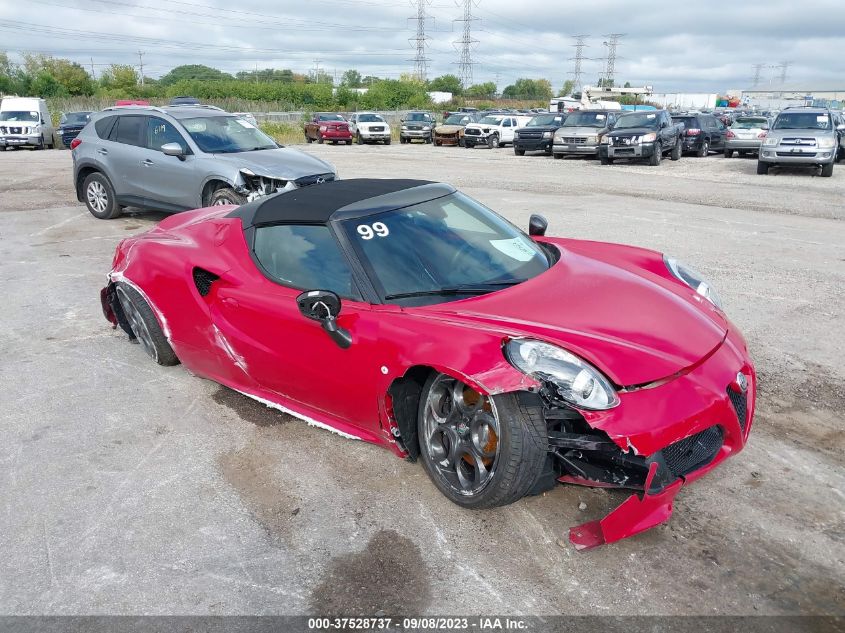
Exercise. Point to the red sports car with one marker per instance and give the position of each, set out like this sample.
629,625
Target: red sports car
404,313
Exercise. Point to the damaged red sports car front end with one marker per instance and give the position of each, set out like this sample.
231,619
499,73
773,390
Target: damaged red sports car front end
505,363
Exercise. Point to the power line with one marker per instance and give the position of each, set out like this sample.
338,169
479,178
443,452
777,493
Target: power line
467,43
579,58
420,60
610,67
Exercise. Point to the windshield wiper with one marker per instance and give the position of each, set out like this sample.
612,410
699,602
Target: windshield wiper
456,290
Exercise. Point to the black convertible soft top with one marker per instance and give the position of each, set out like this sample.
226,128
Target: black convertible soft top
316,204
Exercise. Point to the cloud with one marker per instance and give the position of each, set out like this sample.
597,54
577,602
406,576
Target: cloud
672,46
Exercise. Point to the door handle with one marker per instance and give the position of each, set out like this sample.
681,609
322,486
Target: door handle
102,151
147,162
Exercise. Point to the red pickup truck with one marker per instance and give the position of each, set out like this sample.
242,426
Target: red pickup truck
325,126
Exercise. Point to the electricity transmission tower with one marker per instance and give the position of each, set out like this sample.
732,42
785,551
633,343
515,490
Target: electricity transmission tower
466,43
419,41
758,69
784,67
610,66
578,59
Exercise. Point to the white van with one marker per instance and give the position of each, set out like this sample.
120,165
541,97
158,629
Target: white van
25,122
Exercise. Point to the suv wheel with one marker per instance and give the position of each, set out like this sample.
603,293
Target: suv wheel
654,159
704,150
827,170
762,168
677,150
227,195
99,197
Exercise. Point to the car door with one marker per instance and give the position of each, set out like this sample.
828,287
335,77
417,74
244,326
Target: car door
717,133
122,153
285,352
167,182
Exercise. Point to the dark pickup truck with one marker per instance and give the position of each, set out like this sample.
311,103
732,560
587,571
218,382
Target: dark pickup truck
648,134
537,135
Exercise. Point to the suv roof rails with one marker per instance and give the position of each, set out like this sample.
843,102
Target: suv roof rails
195,105
133,106
807,107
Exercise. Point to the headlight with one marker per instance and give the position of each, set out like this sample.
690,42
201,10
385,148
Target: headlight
693,279
576,381
426,128
605,140
648,138
547,135
404,127
826,143
770,142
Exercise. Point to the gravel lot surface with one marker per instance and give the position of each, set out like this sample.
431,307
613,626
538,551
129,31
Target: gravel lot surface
129,488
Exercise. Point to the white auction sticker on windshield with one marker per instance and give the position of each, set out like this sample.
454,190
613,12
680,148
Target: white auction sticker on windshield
246,124
821,119
515,249
650,116
600,117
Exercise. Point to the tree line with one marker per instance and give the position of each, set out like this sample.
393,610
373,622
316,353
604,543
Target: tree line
45,76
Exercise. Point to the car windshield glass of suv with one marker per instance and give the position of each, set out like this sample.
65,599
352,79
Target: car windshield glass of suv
803,121
370,118
457,119
749,124
226,135
586,119
417,116
11,115
330,117
639,119
545,120
76,118
449,247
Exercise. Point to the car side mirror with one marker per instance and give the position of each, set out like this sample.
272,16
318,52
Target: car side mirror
537,225
324,306
173,149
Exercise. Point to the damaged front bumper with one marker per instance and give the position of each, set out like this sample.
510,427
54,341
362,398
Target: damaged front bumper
253,186
657,440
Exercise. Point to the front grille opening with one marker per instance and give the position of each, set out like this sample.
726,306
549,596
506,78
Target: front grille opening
740,405
694,452
203,280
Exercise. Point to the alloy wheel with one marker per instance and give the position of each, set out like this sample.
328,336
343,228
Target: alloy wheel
97,196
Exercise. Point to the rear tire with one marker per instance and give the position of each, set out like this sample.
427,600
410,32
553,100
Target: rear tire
99,197
677,150
557,156
704,150
729,153
226,195
145,326
387,141
479,451
827,170
762,168
605,160
519,152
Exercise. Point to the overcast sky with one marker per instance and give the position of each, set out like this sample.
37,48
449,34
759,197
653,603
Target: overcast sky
674,46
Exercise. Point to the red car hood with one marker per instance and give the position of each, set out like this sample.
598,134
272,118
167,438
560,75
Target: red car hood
634,325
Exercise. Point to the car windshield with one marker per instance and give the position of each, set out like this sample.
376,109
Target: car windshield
457,119
491,120
370,118
586,119
76,118
417,116
803,121
330,117
448,247
638,119
545,120
13,115
226,135
749,124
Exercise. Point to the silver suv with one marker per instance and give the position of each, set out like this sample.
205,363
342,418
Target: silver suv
802,136
180,158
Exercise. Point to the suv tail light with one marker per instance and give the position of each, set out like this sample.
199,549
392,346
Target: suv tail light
761,135
75,143
693,131
730,134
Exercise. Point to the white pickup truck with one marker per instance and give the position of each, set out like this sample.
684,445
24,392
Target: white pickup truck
494,130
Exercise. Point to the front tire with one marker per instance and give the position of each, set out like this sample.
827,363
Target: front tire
827,170
227,195
359,139
519,152
605,160
100,197
145,326
479,451
729,153
657,156
493,142
762,168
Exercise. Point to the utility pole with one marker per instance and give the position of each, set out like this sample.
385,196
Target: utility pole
466,43
317,70
610,67
784,67
579,58
419,40
141,63
758,69
93,74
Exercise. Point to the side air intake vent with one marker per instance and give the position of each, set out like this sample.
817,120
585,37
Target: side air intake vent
203,280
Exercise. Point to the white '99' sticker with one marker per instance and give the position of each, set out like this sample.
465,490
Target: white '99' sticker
367,232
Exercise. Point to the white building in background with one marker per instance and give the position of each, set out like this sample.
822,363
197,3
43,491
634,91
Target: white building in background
780,96
684,100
